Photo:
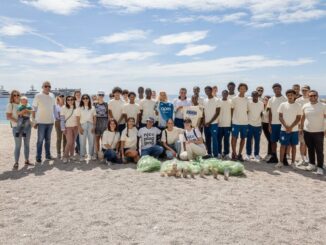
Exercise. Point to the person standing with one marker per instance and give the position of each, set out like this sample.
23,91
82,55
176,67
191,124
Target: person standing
296,88
196,91
102,119
304,99
179,104
163,110
260,90
231,89
265,127
12,116
125,94
211,112
43,115
77,98
255,112
68,125
131,109
140,95
147,108
289,116
274,121
312,127
61,138
224,126
194,112
239,121
86,121
116,109
214,91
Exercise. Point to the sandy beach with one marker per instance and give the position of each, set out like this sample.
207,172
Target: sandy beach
91,203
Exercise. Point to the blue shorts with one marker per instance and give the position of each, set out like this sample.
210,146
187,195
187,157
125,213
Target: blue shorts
239,129
276,131
289,138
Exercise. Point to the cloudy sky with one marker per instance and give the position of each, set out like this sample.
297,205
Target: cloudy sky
163,44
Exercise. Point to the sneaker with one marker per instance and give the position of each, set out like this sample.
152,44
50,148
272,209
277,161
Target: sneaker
240,158
49,158
288,156
320,171
293,166
219,156
94,158
73,158
38,160
257,158
108,162
273,159
311,167
279,165
247,158
267,157
59,156
227,157
303,163
81,158
64,160
285,161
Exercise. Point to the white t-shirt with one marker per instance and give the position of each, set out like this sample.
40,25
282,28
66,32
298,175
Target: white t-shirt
12,108
273,104
148,136
177,103
172,136
265,118
70,116
195,113
116,106
230,97
131,110
201,102
44,107
302,101
148,108
290,113
255,111
130,141
85,114
210,106
190,135
314,117
110,138
240,110
225,113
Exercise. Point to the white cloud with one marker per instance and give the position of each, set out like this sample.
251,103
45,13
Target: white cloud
183,37
14,30
63,7
191,50
271,11
123,37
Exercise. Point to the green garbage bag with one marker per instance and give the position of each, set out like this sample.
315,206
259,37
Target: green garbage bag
194,167
148,164
167,165
235,168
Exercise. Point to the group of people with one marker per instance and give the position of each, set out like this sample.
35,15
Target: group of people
132,125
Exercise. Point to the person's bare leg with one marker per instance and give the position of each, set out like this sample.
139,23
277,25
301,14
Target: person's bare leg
242,143
234,146
294,152
282,152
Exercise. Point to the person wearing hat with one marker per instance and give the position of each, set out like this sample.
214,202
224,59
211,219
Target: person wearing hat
304,99
274,121
102,118
148,137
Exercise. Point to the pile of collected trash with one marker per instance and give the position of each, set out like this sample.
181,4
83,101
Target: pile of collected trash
211,166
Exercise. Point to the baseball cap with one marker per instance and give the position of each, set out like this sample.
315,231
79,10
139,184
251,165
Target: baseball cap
100,92
150,119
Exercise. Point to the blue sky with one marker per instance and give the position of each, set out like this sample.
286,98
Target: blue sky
162,44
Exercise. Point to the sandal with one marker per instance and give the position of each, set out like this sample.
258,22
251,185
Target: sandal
28,163
16,165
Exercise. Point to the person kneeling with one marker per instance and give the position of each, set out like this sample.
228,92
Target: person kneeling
170,140
193,142
110,142
148,136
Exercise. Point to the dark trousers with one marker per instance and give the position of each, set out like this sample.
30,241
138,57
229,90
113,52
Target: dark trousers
315,144
178,122
268,137
224,135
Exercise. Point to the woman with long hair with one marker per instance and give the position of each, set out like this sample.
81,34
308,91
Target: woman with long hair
163,110
110,142
86,121
12,116
68,125
129,141
170,140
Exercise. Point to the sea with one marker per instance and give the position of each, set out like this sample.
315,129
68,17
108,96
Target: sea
4,102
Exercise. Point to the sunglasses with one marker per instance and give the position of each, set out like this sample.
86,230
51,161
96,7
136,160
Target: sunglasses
47,86
61,96
85,98
16,95
313,95
260,90
102,95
